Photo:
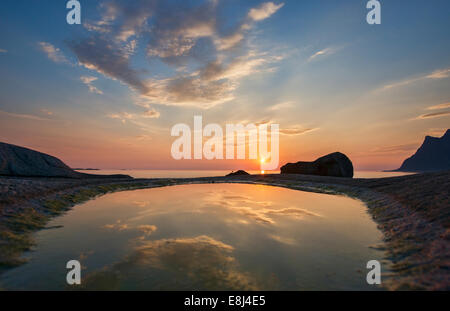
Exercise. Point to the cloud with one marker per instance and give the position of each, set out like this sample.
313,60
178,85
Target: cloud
264,11
281,106
178,34
108,59
395,149
3,51
210,86
125,116
260,211
52,52
88,81
298,130
197,262
147,229
440,106
118,226
152,113
324,52
434,115
435,75
436,132
23,116
283,240
439,74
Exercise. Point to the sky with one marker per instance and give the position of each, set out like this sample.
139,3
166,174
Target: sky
106,93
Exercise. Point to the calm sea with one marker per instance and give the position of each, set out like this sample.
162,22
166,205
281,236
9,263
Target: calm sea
210,173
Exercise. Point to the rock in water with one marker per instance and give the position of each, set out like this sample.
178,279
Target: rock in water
19,161
238,173
433,155
335,164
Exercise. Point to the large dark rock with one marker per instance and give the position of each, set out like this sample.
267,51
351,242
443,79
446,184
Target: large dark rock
336,164
238,173
19,161
433,155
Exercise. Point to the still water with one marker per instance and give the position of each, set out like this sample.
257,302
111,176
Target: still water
206,237
216,173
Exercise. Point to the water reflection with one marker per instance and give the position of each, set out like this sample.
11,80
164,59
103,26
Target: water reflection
261,211
206,237
202,263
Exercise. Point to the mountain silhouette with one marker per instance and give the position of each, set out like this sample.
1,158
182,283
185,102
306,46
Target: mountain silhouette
433,155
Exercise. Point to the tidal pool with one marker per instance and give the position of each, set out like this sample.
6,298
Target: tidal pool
206,237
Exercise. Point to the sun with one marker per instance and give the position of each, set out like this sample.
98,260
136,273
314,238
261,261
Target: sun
262,161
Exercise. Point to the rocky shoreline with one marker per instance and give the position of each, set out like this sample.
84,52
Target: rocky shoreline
413,212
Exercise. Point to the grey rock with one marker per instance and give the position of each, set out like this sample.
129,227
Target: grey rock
20,161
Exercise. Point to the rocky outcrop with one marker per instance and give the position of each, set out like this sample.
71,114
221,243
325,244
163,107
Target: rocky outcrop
19,161
335,164
238,173
433,155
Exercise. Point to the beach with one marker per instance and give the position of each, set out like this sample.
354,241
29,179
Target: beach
411,212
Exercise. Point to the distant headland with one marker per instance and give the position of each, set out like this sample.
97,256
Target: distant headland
433,155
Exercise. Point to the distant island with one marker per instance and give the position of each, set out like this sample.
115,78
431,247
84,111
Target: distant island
433,155
86,169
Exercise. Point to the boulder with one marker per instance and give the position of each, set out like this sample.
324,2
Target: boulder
20,161
335,164
238,173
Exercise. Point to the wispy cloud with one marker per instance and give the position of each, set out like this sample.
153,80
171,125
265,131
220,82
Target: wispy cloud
435,75
324,52
3,51
436,132
395,149
126,116
88,81
23,116
440,106
109,59
152,113
264,11
281,106
296,130
52,52
147,229
439,74
434,115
